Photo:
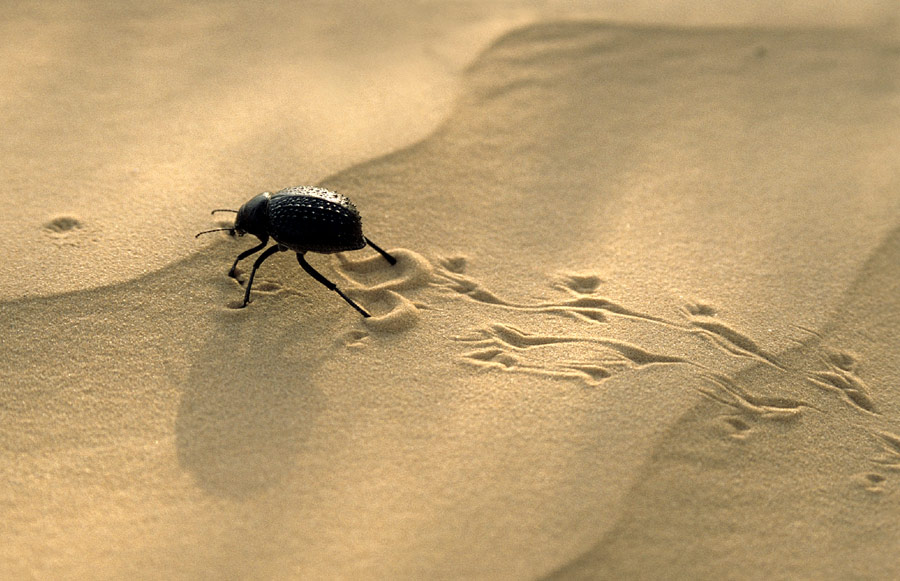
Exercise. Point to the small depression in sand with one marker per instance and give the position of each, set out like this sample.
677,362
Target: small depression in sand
63,224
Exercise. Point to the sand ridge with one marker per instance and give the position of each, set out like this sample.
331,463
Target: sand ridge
828,467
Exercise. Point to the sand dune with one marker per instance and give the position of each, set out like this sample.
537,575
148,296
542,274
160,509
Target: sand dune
642,324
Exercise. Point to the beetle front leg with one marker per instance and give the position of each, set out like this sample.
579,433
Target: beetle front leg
244,255
256,264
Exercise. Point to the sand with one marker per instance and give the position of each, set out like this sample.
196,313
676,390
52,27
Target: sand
644,321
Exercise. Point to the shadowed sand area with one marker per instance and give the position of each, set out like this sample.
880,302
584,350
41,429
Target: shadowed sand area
643,324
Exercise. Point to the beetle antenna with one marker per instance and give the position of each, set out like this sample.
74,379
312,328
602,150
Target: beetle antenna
229,230
223,210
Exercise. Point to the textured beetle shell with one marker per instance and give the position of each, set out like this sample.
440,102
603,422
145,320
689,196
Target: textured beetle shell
305,218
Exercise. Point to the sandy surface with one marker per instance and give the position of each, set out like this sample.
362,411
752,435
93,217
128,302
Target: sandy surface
644,322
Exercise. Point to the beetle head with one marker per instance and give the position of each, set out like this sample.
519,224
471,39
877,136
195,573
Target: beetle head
252,217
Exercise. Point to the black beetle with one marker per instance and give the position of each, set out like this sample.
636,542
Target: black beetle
303,219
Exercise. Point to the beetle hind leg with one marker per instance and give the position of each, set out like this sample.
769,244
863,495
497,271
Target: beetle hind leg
382,252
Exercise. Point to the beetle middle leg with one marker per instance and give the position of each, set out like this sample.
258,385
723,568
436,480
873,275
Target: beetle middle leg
384,253
256,264
327,283
244,255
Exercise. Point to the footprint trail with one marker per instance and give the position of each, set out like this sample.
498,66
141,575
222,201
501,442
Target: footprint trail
580,337
606,338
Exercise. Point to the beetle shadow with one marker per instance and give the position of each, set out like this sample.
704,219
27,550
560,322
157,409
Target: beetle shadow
247,404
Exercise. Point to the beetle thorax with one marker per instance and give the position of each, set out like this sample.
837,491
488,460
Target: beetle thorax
252,217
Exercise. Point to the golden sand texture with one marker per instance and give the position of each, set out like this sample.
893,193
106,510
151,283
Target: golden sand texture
643,324
127,119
